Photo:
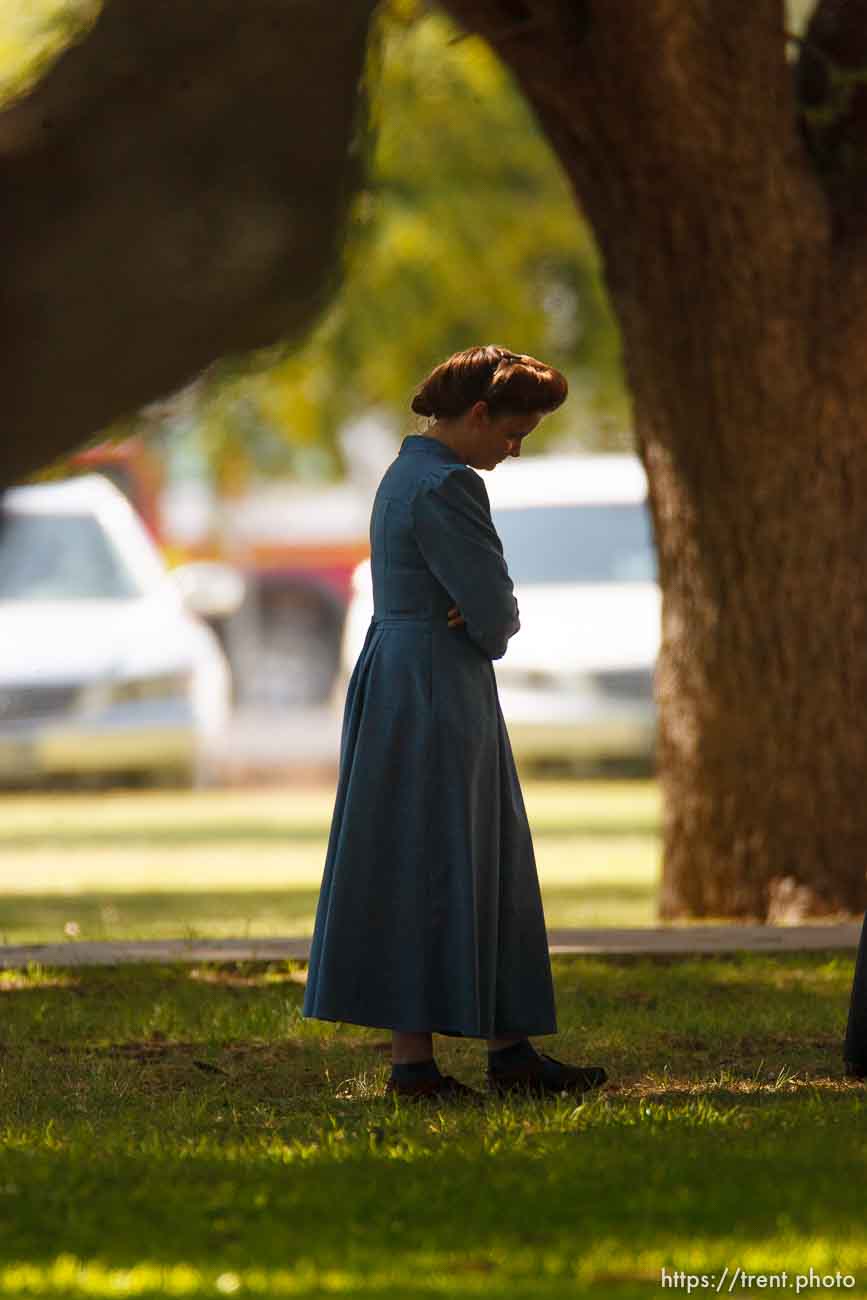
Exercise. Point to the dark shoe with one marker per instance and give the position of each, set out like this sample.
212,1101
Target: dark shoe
855,1070
445,1088
544,1075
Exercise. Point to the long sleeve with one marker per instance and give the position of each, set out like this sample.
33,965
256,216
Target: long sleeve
457,538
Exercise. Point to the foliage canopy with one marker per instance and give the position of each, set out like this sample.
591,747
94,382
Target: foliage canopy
466,233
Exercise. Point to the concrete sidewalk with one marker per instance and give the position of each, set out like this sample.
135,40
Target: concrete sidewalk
683,940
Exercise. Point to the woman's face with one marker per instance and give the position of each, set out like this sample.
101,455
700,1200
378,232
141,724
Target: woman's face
496,437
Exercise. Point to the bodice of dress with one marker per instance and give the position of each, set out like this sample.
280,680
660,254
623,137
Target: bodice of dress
433,545
403,584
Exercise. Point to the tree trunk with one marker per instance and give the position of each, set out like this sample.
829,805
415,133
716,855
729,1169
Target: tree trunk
743,323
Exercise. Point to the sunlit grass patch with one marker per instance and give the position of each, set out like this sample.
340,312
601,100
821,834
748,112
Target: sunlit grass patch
33,33
33,976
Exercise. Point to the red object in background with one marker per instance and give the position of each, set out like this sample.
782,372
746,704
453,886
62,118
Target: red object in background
133,468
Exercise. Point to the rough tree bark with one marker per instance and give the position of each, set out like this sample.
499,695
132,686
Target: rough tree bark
173,190
741,297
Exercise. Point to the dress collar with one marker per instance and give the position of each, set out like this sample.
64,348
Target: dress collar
432,446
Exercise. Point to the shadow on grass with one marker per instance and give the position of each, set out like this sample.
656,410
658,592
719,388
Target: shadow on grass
608,892
252,913
246,832
239,914
371,1185
788,1010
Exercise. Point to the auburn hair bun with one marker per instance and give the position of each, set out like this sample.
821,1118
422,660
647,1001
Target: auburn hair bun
506,381
421,406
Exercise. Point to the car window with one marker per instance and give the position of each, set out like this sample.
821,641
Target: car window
60,557
577,543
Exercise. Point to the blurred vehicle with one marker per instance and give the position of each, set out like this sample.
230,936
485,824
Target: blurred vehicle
576,682
295,544
106,668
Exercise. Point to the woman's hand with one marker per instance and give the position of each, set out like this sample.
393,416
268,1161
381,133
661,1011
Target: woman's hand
455,616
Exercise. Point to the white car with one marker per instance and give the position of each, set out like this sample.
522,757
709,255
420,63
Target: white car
104,667
576,681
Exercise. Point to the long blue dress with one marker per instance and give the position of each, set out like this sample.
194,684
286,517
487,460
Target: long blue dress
429,916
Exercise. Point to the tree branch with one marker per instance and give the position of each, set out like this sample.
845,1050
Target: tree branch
173,190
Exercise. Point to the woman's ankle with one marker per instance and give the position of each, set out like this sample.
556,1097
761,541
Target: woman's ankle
410,1048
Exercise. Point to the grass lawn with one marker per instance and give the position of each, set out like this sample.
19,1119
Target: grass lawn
248,863
182,1131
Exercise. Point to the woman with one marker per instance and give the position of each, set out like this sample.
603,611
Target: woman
430,918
